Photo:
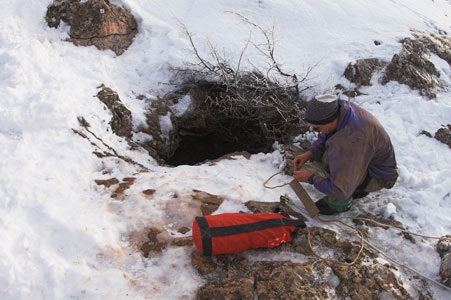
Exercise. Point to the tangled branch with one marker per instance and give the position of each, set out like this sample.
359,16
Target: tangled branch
272,97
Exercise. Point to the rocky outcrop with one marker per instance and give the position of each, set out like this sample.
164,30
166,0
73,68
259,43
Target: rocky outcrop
437,44
94,22
412,67
121,123
362,70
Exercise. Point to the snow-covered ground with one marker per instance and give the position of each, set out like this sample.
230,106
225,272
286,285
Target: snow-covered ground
63,237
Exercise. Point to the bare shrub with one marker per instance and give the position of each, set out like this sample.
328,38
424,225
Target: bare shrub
271,98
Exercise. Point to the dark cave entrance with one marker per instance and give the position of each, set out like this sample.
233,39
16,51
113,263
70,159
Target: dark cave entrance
234,136
220,119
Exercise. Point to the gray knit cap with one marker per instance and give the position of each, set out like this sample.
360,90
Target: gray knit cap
322,109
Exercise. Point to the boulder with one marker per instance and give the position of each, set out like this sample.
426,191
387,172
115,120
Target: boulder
412,67
121,123
444,135
94,22
362,70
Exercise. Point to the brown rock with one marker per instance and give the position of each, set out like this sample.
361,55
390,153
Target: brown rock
437,43
426,133
363,69
149,192
59,11
121,123
413,68
209,202
107,182
208,198
95,22
207,209
444,135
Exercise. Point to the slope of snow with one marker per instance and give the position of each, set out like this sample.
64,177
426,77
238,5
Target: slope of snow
63,237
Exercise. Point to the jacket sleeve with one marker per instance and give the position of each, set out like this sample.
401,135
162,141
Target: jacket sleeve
349,157
318,147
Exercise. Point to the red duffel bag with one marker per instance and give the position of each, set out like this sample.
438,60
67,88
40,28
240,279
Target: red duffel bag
237,232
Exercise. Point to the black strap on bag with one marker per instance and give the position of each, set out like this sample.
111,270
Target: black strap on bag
210,232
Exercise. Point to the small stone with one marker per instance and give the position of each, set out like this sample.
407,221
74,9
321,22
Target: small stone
107,182
149,192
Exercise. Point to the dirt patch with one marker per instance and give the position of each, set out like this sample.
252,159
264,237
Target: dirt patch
158,240
123,186
153,244
235,277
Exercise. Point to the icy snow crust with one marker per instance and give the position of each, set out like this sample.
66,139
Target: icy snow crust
62,235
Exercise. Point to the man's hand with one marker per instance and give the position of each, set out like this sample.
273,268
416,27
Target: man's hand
301,159
302,175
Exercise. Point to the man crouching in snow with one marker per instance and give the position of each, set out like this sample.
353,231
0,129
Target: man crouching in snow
353,152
